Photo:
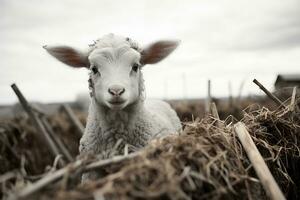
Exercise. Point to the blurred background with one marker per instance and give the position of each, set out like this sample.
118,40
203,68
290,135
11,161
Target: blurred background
229,42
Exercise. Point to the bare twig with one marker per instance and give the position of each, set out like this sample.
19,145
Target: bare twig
262,170
57,175
57,140
269,94
73,119
293,99
37,122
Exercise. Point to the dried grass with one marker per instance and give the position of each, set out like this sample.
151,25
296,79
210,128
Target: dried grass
204,162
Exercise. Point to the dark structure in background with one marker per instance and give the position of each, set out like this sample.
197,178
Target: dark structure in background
287,80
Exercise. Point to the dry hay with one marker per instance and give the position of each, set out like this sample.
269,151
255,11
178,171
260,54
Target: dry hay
188,110
277,136
23,155
205,161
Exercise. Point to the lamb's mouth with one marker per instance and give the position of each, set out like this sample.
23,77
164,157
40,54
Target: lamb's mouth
116,104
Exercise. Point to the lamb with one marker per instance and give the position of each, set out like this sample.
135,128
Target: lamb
119,114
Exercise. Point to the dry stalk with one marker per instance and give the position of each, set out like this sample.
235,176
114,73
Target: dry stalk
73,119
50,178
39,125
262,170
269,94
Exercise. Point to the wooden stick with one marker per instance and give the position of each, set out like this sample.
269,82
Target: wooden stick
37,110
37,122
57,140
31,189
269,94
73,119
262,170
293,99
208,98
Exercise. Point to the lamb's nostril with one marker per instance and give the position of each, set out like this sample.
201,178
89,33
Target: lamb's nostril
122,91
116,90
110,91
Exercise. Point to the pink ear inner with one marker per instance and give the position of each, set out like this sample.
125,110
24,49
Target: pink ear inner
157,51
69,56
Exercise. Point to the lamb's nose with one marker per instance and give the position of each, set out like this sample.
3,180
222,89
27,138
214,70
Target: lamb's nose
116,90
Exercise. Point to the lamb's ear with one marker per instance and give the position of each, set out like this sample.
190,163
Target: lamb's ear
158,51
68,55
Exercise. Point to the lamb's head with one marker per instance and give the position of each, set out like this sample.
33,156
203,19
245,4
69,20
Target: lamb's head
115,65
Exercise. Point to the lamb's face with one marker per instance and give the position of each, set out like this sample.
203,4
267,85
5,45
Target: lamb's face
115,63
116,76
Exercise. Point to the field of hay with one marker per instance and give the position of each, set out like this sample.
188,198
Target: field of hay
205,161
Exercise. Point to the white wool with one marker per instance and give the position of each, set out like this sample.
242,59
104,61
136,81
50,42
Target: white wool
111,40
136,126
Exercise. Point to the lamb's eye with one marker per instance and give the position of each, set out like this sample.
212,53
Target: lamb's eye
95,70
135,67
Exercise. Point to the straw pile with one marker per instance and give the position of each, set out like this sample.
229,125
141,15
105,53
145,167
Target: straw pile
206,161
23,156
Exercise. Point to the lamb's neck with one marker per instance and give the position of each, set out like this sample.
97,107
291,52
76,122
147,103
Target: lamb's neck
114,118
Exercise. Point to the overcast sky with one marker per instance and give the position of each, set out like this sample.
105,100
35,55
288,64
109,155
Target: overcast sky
225,41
